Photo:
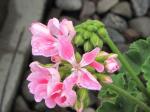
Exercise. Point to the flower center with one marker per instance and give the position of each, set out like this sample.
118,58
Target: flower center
76,67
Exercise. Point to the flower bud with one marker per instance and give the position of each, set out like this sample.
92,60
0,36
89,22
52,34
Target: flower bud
104,78
102,56
95,40
86,35
87,46
112,65
78,40
91,28
78,56
103,32
55,58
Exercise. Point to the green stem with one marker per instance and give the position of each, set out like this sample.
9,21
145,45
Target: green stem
130,97
124,62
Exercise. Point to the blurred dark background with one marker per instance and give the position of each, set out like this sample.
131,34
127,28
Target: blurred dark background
126,21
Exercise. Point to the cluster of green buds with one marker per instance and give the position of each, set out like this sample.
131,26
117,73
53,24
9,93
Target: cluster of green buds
87,36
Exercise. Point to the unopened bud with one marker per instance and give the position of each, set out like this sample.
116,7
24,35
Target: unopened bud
55,58
87,46
91,28
107,80
112,65
78,56
104,78
86,35
78,40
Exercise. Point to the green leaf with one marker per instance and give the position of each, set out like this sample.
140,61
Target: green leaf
108,95
121,105
139,57
146,72
112,101
138,52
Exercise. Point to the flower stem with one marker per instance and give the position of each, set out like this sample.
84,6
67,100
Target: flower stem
130,97
124,62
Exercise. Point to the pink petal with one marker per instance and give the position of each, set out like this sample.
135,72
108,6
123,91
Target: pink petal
71,80
50,103
98,66
32,86
44,46
55,78
66,50
38,72
86,80
89,57
41,88
40,92
37,98
70,27
54,27
55,89
39,30
67,99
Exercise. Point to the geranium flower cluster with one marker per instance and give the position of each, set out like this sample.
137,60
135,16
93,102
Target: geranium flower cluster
55,41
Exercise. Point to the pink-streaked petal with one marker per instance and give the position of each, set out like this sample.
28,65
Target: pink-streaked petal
67,99
38,72
86,80
98,66
55,79
70,27
66,50
64,31
37,98
55,88
89,57
41,90
32,86
44,46
71,80
38,77
39,29
55,75
54,27
50,103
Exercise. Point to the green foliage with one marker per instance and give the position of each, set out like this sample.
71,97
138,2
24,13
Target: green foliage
111,101
138,53
139,58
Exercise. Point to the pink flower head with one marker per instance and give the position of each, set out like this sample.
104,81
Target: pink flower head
43,37
112,65
39,79
80,75
61,95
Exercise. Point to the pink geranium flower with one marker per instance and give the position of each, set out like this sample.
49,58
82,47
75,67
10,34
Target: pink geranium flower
80,75
39,79
44,38
61,95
